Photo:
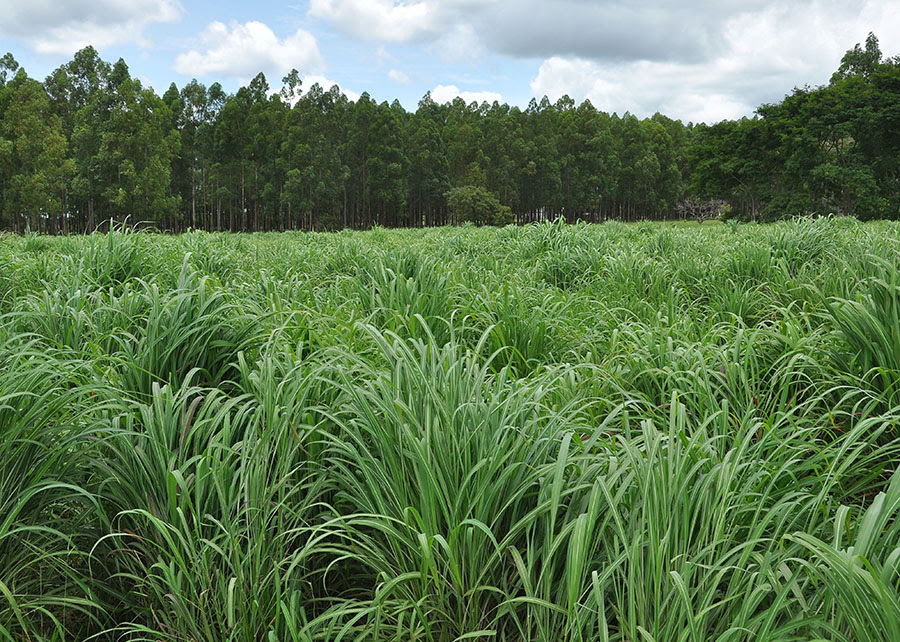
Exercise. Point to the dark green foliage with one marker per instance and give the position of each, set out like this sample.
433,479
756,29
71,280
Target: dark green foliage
474,204
191,332
824,150
92,145
871,328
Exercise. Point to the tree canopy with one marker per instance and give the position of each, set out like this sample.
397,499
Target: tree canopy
90,144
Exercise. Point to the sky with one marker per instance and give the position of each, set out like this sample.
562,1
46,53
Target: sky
695,60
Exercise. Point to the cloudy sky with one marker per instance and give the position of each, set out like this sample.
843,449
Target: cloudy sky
698,60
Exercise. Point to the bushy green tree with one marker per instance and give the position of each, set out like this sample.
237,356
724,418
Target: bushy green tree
474,204
33,160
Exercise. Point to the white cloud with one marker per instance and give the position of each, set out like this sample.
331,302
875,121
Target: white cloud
690,31
446,93
383,56
529,28
53,27
769,52
461,43
383,20
439,24
326,84
696,59
241,50
398,76
640,88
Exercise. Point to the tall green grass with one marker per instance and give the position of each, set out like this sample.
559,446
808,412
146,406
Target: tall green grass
633,433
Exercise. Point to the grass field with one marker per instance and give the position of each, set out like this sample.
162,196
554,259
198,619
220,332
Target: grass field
617,432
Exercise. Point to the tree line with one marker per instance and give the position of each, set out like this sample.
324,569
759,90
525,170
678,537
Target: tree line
90,145
823,150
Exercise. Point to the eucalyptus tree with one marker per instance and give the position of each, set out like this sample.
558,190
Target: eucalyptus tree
429,166
137,147
33,161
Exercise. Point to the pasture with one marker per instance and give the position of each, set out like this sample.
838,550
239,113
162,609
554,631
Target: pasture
552,432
